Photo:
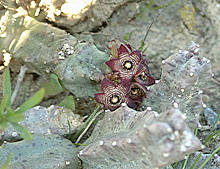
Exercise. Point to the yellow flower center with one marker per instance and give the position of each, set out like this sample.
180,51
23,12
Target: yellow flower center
115,99
128,65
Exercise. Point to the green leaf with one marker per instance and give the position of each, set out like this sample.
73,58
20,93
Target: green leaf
68,102
6,164
55,79
12,116
3,124
33,101
3,104
127,36
7,85
53,86
25,134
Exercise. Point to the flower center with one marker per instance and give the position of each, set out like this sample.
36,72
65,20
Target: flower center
115,99
135,91
143,76
128,65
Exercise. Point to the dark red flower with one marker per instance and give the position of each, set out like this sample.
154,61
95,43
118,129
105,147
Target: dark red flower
127,64
143,75
137,91
113,95
127,84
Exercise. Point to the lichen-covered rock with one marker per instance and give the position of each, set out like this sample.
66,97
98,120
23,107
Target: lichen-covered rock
46,50
45,121
126,138
44,152
71,14
183,76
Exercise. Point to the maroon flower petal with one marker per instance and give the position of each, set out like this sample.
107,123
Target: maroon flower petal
151,81
112,64
129,46
143,75
137,92
106,83
132,103
137,55
100,97
123,50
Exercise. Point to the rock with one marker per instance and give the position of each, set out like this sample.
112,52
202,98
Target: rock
210,116
46,121
126,138
46,49
80,72
183,76
72,14
213,163
43,152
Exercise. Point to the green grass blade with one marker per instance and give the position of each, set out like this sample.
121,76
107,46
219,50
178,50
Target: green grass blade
207,141
6,164
7,85
185,162
3,104
25,134
33,101
215,137
209,158
75,136
11,116
196,161
213,128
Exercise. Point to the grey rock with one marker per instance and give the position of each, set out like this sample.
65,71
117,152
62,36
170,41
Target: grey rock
210,116
46,49
44,152
45,121
80,71
183,76
126,138
73,15
213,163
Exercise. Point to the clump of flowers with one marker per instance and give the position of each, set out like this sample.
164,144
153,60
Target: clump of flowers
129,80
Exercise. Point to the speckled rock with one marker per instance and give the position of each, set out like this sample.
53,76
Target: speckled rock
46,49
45,121
44,152
183,76
126,138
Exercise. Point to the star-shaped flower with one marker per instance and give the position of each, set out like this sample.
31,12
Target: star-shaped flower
113,95
143,75
127,63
